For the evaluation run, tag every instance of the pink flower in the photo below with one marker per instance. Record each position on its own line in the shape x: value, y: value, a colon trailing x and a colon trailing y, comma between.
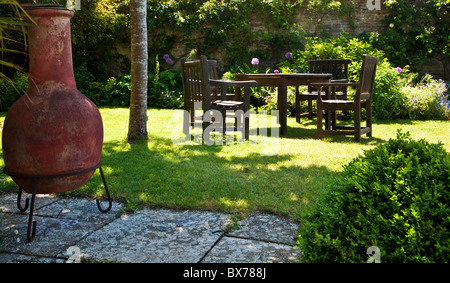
x: 255, y: 61
x: 276, y: 71
x: 288, y: 55
x: 166, y: 56
x: 398, y: 69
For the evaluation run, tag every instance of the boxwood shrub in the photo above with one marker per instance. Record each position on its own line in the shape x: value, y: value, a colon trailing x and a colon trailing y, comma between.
x: 395, y: 197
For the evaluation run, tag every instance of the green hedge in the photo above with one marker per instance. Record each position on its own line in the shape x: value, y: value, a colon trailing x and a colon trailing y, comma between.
x: 395, y: 197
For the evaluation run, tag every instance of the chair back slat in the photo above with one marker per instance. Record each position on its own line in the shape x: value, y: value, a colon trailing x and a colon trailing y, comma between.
x: 212, y: 68
x: 337, y: 67
x: 195, y: 83
x: 367, y: 77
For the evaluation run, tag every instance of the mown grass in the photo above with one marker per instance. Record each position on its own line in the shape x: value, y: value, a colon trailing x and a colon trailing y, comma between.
x: 233, y: 178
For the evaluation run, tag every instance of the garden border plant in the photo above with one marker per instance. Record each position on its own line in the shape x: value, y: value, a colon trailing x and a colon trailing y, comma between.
x: 416, y: 31
x: 394, y: 197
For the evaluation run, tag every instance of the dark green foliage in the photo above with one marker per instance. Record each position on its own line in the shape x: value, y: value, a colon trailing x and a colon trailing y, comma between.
x: 11, y: 91
x: 97, y: 29
x: 164, y: 89
x: 395, y: 197
x: 416, y: 31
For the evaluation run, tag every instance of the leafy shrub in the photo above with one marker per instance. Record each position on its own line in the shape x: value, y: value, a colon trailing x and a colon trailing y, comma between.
x: 388, y: 101
x: 427, y: 99
x: 416, y: 31
x: 394, y: 197
x: 96, y: 30
x: 165, y: 89
x: 12, y: 90
x: 340, y: 47
x: 119, y: 90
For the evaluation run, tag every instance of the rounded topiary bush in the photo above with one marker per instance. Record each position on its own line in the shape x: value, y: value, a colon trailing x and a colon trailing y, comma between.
x: 395, y: 197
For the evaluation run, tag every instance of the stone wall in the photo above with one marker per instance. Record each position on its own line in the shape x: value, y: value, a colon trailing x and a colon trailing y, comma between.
x: 364, y: 20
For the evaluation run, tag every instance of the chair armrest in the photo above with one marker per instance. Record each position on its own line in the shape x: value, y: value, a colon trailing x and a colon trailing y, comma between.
x: 223, y: 83
x: 340, y: 81
x: 332, y: 84
x: 237, y: 85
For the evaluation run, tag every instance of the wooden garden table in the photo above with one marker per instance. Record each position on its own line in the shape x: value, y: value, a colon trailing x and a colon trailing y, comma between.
x: 282, y: 81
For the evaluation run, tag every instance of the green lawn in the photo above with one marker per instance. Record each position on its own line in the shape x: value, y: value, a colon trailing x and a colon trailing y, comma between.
x: 231, y: 178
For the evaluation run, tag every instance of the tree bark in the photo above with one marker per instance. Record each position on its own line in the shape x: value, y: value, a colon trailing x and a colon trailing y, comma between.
x: 137, y: 126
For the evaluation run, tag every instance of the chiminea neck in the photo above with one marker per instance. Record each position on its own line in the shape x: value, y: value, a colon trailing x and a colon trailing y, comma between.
x: 50, y: 47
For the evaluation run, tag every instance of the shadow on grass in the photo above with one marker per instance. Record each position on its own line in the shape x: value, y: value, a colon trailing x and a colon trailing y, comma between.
x: 307, y: 130
x: 159, y: 174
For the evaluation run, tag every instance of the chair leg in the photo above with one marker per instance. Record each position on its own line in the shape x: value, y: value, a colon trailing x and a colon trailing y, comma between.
x: 310, y: 110
x: 186, y: 122
x: 357, y: 125
x: 369, y: 118
x: 297, y: 108
x: 246, y: 126
x: 319, y: 123
x: 333, y: 120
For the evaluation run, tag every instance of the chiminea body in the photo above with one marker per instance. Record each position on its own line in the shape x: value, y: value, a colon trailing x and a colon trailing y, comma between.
x: 52, y: 129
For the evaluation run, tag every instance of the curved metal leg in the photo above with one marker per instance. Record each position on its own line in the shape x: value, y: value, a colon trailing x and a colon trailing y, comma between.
x: 19, y: 204
x: 107, y: 194
x: 31, y: 231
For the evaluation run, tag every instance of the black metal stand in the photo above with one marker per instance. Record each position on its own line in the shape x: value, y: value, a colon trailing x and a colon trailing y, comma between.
x: 31, y: 231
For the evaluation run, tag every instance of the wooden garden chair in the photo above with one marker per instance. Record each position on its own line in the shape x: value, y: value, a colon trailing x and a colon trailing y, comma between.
x: 337, y: 67
x: 362, y: 99
x: 211, y: 94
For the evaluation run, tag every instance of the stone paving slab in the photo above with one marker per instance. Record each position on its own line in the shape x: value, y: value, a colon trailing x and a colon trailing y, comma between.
x: 163, y: 236
x: 149, y: 235
x: 238, y: 250
x: 8, y: 202
x: 60, y: 224
x: 267, y: 227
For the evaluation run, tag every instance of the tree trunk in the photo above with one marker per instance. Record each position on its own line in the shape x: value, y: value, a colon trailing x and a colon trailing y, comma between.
x: 137, y: 127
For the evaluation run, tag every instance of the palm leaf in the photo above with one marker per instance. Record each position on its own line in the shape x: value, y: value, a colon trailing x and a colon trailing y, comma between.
x: 19, y: 22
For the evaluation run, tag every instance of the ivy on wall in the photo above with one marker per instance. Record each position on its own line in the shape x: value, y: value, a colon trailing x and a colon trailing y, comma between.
x: 225, y: 26
x: 416, y: 31
x: 217, y: 24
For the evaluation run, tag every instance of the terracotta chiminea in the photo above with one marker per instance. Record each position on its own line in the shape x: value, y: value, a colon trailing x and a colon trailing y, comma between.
x: 53, y: 135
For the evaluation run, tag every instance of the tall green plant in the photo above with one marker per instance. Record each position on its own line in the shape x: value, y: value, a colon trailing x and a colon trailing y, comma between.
x: 11, y: 22
x: 98, y: 28
x: 416, y: 31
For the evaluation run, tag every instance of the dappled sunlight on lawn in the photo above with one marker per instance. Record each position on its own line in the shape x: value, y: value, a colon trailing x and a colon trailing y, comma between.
x: 281, y: 175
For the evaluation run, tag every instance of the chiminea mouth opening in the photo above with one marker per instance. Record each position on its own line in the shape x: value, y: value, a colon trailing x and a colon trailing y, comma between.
x: 29, y: 6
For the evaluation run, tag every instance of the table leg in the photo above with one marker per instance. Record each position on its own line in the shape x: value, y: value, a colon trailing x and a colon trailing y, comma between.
x: 282, y: 106
x: 327, y: 113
